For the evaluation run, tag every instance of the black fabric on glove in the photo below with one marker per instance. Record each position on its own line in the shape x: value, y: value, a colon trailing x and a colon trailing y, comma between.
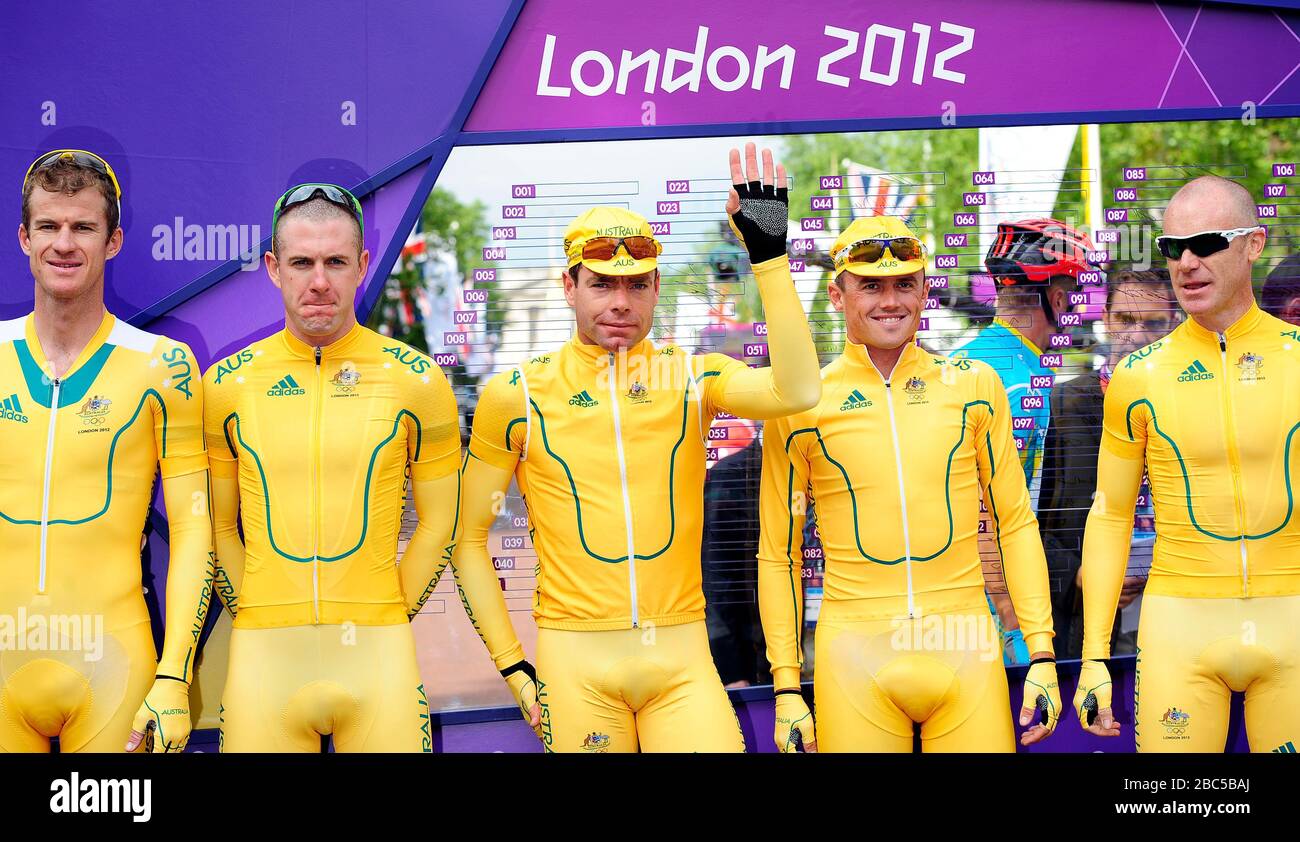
x: 762, y: 219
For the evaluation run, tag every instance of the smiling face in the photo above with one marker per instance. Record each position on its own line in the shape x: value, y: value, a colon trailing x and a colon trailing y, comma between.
x: 612, y: 311
x: 880, y: 312
x: 318, y: 270
x: 67, y: 242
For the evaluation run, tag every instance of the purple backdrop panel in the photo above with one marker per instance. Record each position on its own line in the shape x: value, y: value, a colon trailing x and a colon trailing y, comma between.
x: 209, y: 112
x: 246, y: 306
x: 699, y: 62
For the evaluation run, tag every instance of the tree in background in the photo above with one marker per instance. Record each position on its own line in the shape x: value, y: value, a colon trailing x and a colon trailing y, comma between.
x: 933, y: 157
x: 1177, y: 152
x: 449, y: 226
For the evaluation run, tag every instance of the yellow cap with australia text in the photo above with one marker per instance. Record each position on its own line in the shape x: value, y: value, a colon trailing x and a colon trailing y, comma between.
x: 610, y: 222
x: 875, y: 228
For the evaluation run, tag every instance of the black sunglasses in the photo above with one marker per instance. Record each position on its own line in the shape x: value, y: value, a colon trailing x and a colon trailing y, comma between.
x: 329, y: 192
x: 1202, y: 243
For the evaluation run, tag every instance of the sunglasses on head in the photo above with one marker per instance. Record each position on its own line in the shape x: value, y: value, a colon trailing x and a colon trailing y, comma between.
x: 1202, y: 243
x: 329, y: 192
x: 870, y: 251
x: 604, y: 248
x: 80, y: 157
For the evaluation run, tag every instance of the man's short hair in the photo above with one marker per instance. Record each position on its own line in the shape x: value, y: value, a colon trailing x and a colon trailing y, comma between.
x: 1282, y: 285
x: 1157, y: 280
x: 316, y: 210
x: 68, y: 177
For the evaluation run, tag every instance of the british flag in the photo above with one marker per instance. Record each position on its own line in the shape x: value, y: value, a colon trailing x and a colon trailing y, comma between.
x: 876, y: 193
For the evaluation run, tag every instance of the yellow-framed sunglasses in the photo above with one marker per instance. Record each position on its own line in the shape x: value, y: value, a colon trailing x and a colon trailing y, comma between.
x: 81, y: 157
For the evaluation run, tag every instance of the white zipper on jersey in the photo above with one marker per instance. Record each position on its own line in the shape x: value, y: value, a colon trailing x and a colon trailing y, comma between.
x: 627, y: 500
x: 1234, y: 463
x: 902, y: 500
x: 902, y: 491
x: 315, y: 494
x: 45, y: 495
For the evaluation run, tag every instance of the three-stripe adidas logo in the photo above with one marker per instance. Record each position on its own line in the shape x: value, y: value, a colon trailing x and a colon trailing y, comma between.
x: 582, y: 399
x: 12, y: 410
x: 855, y: 400
x: 1195, y: 371
x: 1285, y: 748
x: 287, y: 386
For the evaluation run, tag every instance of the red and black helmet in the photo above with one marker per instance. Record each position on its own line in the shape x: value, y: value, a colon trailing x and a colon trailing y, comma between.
x: 1033, y: 251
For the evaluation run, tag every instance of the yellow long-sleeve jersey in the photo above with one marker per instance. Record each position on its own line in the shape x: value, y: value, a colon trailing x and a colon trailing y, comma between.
x: 319, y: 440
x: 76, y: 477
x: 609, y: 453
x: 897, y: 468
x: 1216, y: 420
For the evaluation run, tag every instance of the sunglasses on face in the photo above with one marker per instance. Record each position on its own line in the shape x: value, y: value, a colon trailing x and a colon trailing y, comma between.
x: 82, y: 158
x: 870, y: 251
x: 1202, y: 243
x: 329, y: 192
x: 604, y: 248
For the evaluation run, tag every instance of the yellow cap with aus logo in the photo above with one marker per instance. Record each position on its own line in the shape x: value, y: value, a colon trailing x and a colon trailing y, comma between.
x: 605, y: 223
x: 865, y: 248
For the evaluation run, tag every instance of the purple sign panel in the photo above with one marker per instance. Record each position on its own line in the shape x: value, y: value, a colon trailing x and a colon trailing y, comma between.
x: 698, y: 62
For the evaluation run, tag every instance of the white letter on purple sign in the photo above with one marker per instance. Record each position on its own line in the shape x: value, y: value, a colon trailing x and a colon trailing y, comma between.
x: 824, y: 73
x: 696, y: 60
x: 764, y: 60
x: 544, y: 87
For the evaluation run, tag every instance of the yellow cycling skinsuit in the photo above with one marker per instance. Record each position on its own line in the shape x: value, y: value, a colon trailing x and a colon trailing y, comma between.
x: 904, y: 635
x: 609, y: 453
x: 81, y: 451
x: 311, y: 447
x: 1216, y: 419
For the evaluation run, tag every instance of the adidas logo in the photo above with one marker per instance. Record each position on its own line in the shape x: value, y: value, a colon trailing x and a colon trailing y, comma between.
x: 855, y: 400
x: 12, y: 410
x: 286, y: 387
x: 1285, y: 748
x: 582, y: 399
x: 1195, y: 371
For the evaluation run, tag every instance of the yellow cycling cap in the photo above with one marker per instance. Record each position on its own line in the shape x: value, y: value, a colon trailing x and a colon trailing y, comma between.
x: 878, y: 246
x: 612, y: 241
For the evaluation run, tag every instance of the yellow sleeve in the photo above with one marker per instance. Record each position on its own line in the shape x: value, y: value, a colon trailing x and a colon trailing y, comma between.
x: 499, y: 425
x: 1109, y: 532
x: 223, y: 459
x: 433, y: 428
x: 793, y: 381
x: 782, y: 506
x: 437, y: 505
x: 1015, y: 529
x: 485, y: 479
x: 433, y: 448
x: 178, y: 425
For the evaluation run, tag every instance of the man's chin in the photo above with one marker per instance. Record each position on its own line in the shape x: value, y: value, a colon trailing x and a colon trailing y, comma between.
x: 66, y: 288
x: 889, y: 340
x: 616, y: 340
x: 319, y: 327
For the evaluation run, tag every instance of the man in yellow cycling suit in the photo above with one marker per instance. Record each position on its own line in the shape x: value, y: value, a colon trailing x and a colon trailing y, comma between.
x: 606, y: 437
x: 1213, y: 412
x: 896, y: 456
x: 92, y: 409
x: 312, y: 432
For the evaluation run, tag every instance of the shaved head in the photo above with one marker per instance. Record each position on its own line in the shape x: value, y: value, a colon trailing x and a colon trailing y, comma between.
x: 1209, y: 202
x: 1214, y: 289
